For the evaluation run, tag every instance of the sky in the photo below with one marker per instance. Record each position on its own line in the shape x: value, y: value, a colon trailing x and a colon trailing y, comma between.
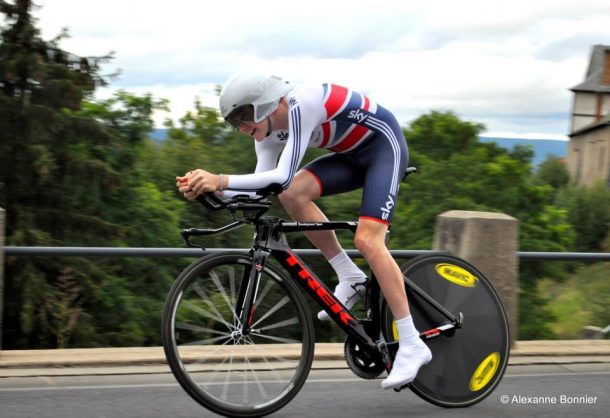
x: 506, y: 64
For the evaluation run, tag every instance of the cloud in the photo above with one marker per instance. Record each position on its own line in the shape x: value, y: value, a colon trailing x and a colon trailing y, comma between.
x: 578, y: 45
x: 508, y: 64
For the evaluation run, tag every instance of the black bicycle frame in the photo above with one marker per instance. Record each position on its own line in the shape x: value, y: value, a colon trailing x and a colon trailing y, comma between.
x: 270, y: 240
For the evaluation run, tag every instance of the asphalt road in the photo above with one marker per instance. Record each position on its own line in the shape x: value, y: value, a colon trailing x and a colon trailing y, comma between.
x: 328, y: 393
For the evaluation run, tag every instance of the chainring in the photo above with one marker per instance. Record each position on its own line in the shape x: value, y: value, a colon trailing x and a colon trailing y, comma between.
x: 362, y: 362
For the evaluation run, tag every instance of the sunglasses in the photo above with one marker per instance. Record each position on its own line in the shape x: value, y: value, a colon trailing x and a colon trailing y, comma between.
x: 241, y: 115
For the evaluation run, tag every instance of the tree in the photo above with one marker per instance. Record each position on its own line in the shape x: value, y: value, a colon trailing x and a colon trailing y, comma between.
x: 41, y: 154
x: 438, y: 135
x: 68, y: 167
x: 43, y: 86
x: 553, y: 172
x: 589, y: 214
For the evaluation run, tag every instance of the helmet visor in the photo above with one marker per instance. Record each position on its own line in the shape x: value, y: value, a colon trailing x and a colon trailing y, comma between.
x: 240, y: 115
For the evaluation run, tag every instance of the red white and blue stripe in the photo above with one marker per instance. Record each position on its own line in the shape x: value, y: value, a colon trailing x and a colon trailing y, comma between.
x: 346, y: 112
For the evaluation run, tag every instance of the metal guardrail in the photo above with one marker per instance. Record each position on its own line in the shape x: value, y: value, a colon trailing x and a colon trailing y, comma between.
x: 532, y: 255
x: 195, y: 252
x: 166, y: 252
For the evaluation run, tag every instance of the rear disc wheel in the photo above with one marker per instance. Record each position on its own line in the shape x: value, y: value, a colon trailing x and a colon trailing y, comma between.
x: 468, y: 364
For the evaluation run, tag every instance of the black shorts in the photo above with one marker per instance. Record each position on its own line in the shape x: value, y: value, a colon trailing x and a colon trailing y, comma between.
x: 377, y: 166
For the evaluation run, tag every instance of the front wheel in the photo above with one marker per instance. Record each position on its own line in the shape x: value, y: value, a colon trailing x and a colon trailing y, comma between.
x: 232, y: 373
x: 467, y: 365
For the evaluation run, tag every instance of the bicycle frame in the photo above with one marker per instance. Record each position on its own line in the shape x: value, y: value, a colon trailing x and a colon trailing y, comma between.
x: 270, y: 240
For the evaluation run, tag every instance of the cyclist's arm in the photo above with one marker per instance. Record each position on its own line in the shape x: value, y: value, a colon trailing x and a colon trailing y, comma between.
x: 303, y: 118
x: 266, y: 159
x: 266, y: 155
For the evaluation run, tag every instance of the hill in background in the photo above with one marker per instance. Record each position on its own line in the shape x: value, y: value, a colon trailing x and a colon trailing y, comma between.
x: 543, y: 148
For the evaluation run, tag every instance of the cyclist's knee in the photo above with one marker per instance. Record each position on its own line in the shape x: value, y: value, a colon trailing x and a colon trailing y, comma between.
x: 291, y: 196
x: 302, y: 190
x: 369, y: 241
x: 361, y: 244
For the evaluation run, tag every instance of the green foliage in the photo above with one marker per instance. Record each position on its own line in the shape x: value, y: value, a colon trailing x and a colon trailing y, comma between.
x: 577, y: 220
x: 472, y: 176
x: 535, y: 317
x: 589, y: 214
x: 69, y: 169
x: 439, y: 135
x: 553, y: 172
x: 579, y: 301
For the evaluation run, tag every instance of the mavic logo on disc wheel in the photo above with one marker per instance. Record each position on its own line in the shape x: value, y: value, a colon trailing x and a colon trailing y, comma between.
x: 456, y: 275
x: 484, y: 372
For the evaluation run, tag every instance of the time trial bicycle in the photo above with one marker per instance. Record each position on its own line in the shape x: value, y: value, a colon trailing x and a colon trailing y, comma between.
x: 239, y: 338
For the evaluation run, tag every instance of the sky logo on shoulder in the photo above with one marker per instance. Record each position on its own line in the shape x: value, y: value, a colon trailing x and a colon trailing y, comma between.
x: 358, y: 115
x: 282, y: 135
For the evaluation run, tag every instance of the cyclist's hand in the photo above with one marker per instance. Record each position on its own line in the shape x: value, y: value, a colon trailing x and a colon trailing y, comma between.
x: 182, y: 183
x: 196, y: 182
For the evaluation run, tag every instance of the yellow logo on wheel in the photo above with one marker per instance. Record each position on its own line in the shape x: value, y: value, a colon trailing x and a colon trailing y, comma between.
x: 394, y: 331
x: 456, y: 275
x: 485, y: 372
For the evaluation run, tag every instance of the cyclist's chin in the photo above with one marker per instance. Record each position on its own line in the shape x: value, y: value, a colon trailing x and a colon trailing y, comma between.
x: 258, y: 135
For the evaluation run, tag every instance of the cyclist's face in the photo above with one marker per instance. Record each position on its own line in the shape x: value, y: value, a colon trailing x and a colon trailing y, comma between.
x: 242, y: 119
x: 255, y: 130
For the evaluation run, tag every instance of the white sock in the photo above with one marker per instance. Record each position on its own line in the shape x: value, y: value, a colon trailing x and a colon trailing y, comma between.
x: 346, y: 269
x: 407, y: 333
x: 412, y: 354
x: 349, y: 274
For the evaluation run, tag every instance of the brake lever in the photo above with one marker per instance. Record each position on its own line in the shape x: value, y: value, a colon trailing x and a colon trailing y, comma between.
x: 186, y: 236
x: 190, y: 232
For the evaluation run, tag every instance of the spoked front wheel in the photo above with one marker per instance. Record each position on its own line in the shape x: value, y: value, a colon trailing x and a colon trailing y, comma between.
x: 224, y: 369
x: 468, y: 364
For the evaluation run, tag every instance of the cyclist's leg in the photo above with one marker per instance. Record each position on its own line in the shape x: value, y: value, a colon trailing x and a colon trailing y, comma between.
x: 370, y: 241
x: 326, y: 175
x: 385, y: 160
x: 298, y: 200
x: 412, y: 352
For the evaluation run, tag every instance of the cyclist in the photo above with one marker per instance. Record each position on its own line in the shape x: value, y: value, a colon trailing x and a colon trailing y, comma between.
x: 369, y: 151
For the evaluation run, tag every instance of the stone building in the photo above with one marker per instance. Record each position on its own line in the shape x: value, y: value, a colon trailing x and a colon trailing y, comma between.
x: 589, y: 151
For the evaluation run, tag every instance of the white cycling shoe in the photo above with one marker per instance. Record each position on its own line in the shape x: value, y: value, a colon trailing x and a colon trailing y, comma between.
x: 408, y: 361
x: 348, y: 293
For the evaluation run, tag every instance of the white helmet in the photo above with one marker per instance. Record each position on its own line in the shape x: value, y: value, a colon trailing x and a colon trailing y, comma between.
x: 262, y: 92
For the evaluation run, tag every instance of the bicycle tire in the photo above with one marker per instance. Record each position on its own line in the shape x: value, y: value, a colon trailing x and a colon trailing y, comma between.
x: 468, y: 365
x: 210, y: 361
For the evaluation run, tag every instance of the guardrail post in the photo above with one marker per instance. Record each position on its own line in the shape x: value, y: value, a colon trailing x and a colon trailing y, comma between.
x: 1, y: 272
x: 490, y: 242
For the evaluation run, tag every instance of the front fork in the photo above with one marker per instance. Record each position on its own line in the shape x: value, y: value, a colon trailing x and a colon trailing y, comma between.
x: 246, y: 298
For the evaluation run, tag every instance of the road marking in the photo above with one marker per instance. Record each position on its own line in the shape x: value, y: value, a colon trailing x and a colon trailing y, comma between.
x: 557, y: 374
x: 97, y: 387
x: 336, y: 380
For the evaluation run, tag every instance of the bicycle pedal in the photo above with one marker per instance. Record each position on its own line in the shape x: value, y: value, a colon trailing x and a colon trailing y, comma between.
x: 401, y: 388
